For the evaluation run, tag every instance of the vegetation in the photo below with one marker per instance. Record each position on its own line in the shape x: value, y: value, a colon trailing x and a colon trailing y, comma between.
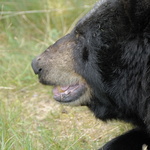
x: 29, y: 118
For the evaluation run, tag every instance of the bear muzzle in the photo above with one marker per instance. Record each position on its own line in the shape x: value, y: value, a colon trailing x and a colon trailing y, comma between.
x: 35, y: 67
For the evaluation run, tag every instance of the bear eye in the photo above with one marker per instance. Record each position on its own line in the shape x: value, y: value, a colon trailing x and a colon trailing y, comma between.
x: 85, y: 54
x: 77, y: 34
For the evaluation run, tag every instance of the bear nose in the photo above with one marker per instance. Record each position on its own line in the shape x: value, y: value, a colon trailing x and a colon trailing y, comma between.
x: 35, y: 67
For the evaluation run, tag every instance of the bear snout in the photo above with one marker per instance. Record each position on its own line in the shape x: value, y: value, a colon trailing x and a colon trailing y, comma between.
x: 35, y: 66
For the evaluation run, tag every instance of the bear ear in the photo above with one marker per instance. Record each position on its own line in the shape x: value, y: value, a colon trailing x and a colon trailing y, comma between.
x: 138, y: 12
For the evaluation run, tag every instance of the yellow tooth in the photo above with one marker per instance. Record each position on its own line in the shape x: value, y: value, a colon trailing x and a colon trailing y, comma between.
x: 60, y: 90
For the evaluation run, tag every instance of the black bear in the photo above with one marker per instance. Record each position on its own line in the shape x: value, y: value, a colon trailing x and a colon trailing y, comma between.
x: 104, y: 64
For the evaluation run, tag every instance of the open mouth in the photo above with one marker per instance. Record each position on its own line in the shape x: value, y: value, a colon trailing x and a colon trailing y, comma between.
x: 67, y: 94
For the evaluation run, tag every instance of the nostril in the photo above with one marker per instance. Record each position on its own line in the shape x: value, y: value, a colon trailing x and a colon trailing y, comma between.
x: 40, y: 70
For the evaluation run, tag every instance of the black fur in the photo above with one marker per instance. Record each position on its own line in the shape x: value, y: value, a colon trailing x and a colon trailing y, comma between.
x: 132, y: 140
x: 117, y: 38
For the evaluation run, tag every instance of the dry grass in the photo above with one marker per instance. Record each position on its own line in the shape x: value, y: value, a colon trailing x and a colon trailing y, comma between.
x: 64, y: 128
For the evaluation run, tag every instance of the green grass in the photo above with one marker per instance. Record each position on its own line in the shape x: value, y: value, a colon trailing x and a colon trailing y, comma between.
x: 29, y: 118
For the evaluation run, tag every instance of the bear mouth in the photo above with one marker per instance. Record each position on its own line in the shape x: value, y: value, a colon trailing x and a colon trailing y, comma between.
x: 70, y: 93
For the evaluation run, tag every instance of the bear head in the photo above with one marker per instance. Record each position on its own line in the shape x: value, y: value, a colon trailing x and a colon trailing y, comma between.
x: 82, y: 63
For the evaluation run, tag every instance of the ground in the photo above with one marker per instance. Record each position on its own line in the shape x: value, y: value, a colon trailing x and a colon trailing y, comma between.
x: 36, y: 119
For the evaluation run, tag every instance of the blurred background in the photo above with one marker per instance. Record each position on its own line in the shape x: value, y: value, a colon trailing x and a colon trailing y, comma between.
x: 29, y: 118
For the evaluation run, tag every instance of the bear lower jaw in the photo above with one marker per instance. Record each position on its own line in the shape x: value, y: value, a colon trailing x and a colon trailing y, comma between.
x: 69, y: 94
